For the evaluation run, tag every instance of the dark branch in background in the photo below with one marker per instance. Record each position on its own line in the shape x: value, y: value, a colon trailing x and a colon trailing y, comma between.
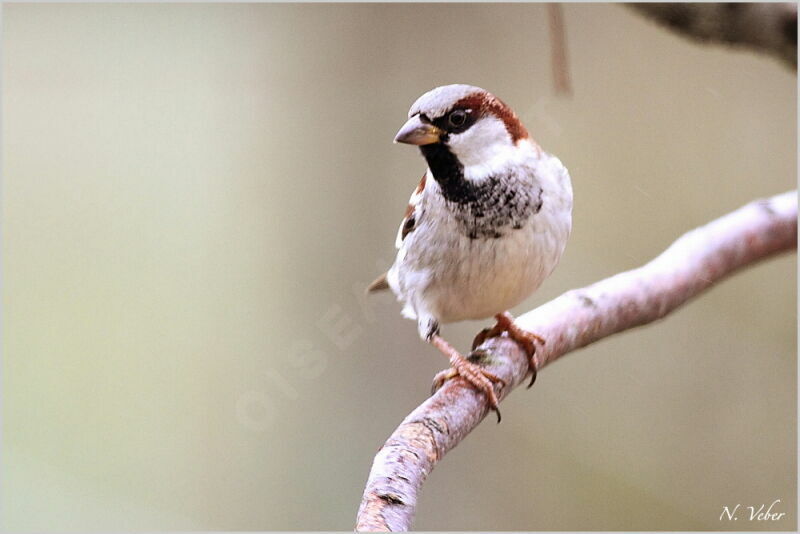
x: 577, y: 318
x: 768, y: 28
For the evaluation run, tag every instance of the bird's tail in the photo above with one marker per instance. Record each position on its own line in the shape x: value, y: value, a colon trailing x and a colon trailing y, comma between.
x: 379, y: 284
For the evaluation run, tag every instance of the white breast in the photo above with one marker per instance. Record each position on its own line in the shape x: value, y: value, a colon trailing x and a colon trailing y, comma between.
x: 441, y: 273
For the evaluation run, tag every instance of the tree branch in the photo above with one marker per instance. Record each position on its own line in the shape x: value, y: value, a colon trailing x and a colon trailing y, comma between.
x: 558, y: 50
x: 770, y: 28
x: 693, y: 263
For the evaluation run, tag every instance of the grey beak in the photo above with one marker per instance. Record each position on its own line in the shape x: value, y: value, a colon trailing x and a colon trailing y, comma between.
x: 416, y: 132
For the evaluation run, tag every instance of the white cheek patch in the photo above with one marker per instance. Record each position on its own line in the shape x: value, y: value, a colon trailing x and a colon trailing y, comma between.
x: 483, y: 148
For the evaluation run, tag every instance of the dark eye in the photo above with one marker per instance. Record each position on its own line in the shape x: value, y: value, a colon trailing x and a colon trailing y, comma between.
x: 457, y: 117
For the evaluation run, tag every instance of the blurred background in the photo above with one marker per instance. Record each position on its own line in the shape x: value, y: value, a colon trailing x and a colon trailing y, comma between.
x: 194, y: 197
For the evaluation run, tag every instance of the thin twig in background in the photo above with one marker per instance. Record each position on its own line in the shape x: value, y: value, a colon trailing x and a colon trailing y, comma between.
x: 558, y: 50
x: 693, y: 263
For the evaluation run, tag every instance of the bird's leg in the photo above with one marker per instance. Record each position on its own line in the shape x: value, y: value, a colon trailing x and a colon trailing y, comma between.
x: 476, y: 375
x: 505, y: 323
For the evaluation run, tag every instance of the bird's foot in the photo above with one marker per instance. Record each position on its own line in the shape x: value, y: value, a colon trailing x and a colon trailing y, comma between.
x: 480, y: 378
x: 526, y: 339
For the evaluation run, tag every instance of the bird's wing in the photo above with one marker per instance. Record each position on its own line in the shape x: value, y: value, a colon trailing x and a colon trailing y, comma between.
x: 409, y: 223
x: 412, y: 215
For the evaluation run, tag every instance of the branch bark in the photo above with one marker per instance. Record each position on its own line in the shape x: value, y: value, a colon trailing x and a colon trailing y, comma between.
x: 769, y: 28
x: 693, y: 263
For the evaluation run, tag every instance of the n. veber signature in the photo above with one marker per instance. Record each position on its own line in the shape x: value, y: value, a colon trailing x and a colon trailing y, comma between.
x: 752, y: 513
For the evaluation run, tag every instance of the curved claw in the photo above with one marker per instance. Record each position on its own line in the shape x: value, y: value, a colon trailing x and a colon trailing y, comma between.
x: 482, y: 336
x: 487, y: 333
x: 533, y: 377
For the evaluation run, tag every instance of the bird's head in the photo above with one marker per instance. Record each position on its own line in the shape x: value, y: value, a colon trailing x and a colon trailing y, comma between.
x: 470, y: 123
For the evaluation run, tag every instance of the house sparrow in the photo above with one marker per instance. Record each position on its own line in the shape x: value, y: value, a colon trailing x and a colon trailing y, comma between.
x: 486, y: 225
